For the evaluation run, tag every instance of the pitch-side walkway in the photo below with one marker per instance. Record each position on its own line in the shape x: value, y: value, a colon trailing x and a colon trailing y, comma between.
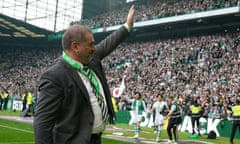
x: 116, y: 134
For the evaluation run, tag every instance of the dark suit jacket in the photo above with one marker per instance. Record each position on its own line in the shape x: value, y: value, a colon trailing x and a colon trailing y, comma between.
x: 64, y: 114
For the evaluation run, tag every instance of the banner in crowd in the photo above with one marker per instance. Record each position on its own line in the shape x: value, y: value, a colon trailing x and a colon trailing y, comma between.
x: 221, y: 127
x: 17, y: 105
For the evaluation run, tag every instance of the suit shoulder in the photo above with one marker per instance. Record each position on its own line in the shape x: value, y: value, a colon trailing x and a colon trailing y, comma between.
x: 56, y: 70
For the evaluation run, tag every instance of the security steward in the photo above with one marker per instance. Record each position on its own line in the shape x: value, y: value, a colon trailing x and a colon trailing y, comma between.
x: 235, y: 119
x: 196, y: 111
x: 175, y: 118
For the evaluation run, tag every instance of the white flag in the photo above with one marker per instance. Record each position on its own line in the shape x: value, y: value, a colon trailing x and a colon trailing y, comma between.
x: 117, y: 92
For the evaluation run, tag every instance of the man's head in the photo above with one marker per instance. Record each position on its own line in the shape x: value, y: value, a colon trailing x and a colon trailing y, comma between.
x: 159, y: 97
x: 170, y: 99
x: 78, y: 43
x: 138, y: 95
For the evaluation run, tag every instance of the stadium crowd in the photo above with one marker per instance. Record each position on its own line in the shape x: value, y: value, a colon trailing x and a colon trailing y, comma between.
x: 154, y: 9
x: 204, y: 67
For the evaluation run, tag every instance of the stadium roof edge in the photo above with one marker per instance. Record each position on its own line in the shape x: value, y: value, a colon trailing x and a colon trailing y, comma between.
x: 13, y: 28
x: 16, y: 33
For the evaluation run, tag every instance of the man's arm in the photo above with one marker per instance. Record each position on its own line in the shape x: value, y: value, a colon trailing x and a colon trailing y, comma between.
x: 130, y: 18
x: 169, y: 114
x: 144, y: 106
x: 153, y: 109
x: 173, y: 107
x: 106, y: 46
x: 47, y: 110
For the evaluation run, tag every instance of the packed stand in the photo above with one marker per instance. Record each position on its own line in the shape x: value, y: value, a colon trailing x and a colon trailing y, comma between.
x: 154, y: 9
x: 205, y: 68
x: 20, y: 69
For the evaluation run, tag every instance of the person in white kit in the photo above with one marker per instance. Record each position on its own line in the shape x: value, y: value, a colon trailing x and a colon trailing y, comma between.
x: 138, y: 107
x: 159, y: 107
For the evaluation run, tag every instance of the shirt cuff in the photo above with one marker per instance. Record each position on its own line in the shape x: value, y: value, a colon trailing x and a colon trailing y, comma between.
x: 127, y: 27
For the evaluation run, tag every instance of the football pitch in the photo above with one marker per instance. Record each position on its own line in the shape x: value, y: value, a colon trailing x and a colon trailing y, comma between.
x: 18, y: 132
x: 12, y: 132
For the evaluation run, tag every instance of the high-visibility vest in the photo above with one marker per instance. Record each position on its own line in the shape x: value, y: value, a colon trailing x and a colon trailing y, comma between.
x: 24, y: 97
x: 29, y: 99
x: 1, y: 95
x: 4, y: 95
x: 115, y: 108
x: 196, y: 111
x: 236, y: 112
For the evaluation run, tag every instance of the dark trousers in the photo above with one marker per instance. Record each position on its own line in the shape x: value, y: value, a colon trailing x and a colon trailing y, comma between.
x: 5, y: 103
x: 172, y: 125
x: 195, y: 120
x: 24, y: 106
x: 95, y: 138
x: 235, y: 125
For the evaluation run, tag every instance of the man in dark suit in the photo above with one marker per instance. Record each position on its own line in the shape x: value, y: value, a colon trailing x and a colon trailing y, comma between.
x: 74, y: 100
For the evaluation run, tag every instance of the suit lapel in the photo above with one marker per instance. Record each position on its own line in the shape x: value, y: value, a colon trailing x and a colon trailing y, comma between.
x: 76, y: 78
x: 97, y: 72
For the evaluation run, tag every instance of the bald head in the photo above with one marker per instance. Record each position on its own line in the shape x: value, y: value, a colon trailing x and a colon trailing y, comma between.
x: 76, y: 33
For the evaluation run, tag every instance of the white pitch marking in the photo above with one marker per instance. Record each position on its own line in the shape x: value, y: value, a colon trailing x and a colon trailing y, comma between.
x: 27, y: 131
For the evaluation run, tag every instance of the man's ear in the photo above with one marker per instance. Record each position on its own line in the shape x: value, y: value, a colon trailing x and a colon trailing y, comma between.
x: 74, y: 46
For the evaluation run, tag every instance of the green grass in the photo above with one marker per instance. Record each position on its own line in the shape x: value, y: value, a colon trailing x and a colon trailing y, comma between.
x: 111, y: 141
x: 9, y: 113
x: 12, y: 132
x: 149, y: 133
x: 22, y: 133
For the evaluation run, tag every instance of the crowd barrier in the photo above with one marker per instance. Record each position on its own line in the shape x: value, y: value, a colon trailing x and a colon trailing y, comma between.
x: 221, y: 127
